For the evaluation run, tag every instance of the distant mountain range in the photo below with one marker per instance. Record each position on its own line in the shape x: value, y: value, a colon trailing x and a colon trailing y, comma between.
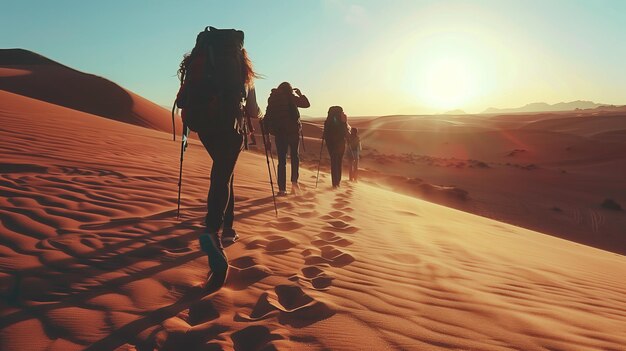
x: 544, y: 107
x: 455, y: 112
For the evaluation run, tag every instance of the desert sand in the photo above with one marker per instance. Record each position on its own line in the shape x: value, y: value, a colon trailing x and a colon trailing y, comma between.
x: 93, y: 256
x: 550, y: 172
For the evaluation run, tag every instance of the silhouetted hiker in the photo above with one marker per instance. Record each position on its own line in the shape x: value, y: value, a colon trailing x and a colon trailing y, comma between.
x: 336, y: 130
x: 354, y: 152
x: 216, y: 95
x: 282, y: 119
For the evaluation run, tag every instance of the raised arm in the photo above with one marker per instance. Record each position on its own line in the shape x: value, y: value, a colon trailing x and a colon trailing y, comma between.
x: 300, y: 99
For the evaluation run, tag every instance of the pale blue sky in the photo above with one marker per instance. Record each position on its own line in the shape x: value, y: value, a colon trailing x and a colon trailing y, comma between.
x: 371, y: 57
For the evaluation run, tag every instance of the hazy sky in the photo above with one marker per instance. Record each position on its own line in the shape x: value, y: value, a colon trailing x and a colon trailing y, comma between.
x: 371, y: 57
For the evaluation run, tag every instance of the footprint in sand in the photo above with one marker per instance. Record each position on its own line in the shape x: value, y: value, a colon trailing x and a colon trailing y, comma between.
x: 341, y: 201
x: 255, y: 337
x: 342, y: 205
x: 337, y: 215
x: 328, y: 255
x: 343, y: 196
x: 315, y: 278
x: 286, y: 224
x: 175, y: 246
x: 277, y: 243
x: 272, y: 243
x: 312, y: 271
x: 290, y: 304
x: 202, y: 311
x: 340, y: 226
x: 330, y: 238
x: 245, y: 271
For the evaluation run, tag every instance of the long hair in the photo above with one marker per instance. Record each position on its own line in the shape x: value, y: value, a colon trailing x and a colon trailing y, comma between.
x: 182, y: 68
x: 248, y: 71
x: 246, y: 66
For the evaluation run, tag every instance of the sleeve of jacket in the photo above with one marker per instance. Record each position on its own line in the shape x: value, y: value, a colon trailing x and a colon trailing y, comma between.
x: 302, y: 101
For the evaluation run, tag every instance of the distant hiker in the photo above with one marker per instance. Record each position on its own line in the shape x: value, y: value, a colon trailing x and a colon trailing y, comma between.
x: 336, y: 131
x: 282, y: 119
x: 354, y: 152
x: 216, y: 95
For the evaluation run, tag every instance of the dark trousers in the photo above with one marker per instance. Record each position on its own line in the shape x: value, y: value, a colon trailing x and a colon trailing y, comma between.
x: 353, y: 157
x: 284, y: 143
x: 336, y: 150
x: 224, y: 149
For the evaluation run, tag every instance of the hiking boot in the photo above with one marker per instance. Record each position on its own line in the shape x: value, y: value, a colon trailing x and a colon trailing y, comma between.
x: 282, y: 193
x: 211, y: 245
x: 229, y: 236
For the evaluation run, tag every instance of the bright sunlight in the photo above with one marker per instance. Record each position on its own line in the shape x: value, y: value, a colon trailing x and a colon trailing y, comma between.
x: 446, y: 83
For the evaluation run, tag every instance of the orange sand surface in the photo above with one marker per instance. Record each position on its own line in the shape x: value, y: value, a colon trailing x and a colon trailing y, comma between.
x: 92, y: 256
x: 549, y: 172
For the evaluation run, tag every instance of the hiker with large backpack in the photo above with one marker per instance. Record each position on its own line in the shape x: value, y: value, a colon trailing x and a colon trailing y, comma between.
x: 282, y: 119
x: 336, y: 131
x: 354, y: 153
x: 216, y: 95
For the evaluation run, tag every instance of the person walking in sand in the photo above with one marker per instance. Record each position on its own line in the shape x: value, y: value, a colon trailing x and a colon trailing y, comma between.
x: 336, y: 130
x: 354, y: 153
x: 221, y: 126
x: 283, y: 115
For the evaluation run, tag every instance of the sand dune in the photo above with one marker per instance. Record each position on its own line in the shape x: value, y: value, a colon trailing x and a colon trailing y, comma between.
x: 582, y: 125
x: 548, y: 172
x: 31, y: 75
x: 93, y: 257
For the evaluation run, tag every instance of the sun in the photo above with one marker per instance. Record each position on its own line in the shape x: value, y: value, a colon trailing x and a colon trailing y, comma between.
x: 445, y: 69
x: 446, y: 83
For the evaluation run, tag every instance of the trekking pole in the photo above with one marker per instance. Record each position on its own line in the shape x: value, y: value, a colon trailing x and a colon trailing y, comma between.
x: 269, y: 171
x: 302, y: 138
x: 183, y: 147
x: 319, y: 163
x: 272, y: 156
x: 173, y: 122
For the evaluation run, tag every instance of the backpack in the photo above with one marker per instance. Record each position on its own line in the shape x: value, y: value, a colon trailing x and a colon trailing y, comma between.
x: 335, y: 130
x: 213, y: 92
x: 281, y: 116
x: 354, y: 141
